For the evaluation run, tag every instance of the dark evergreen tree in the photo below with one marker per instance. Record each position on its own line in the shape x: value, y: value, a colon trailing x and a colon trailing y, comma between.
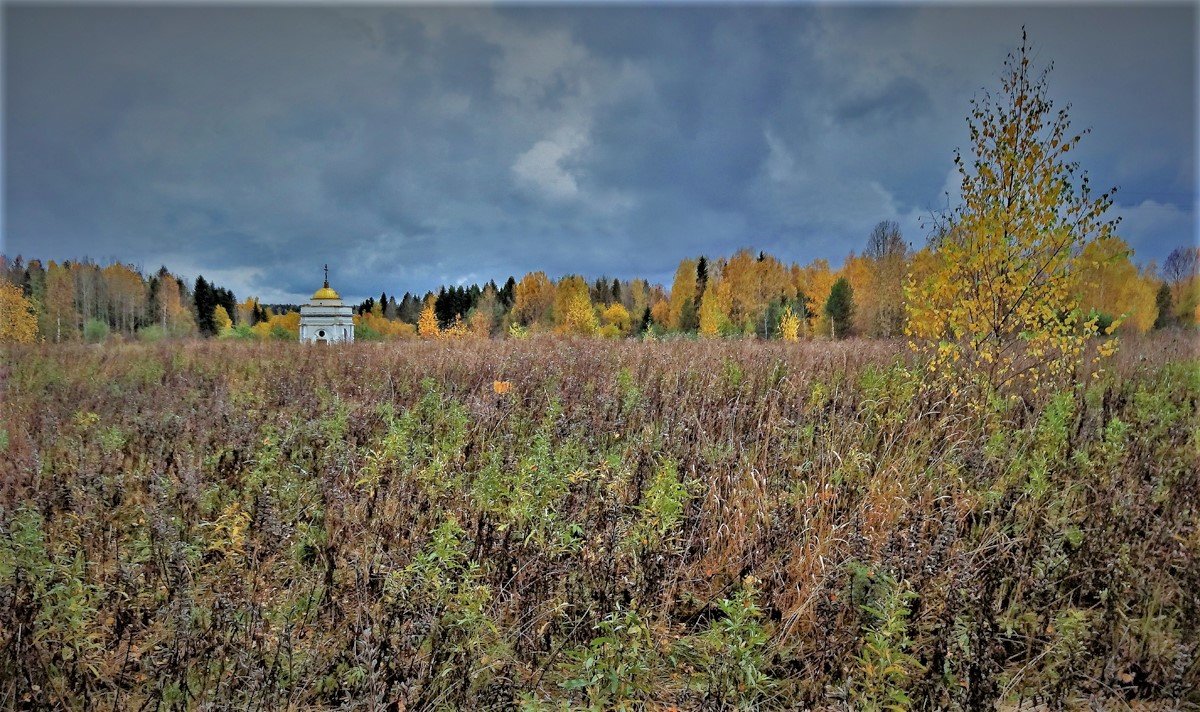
x: 15, y: 273
x: 839, y: 308
x: 647, y: 321
x: 599, y: 292
x: 444, y: 309
x: 205, y: 302
x: 701, y: 278
x: 225, y: 298
x: 1166, y: 307
x: 689, y: 317
x: 802, y: 305
x: 507, y: 291
x: 152, y: 303
x: 410, y: 309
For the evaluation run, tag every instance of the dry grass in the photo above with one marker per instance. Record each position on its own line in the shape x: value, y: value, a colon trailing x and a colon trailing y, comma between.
x: 687, y: 524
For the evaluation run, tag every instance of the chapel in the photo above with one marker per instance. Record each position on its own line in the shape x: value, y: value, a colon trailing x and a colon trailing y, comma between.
x: 325, y: 319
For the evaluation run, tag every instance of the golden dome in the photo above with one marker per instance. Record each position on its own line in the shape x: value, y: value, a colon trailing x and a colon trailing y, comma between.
x: 326, y: 293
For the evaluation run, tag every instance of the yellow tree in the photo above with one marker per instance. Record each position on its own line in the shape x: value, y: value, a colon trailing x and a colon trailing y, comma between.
x: 740, y: 276
x: 774, y: 284
x: 816, y: 280
x: 789, y: 325
x: 682, y: 302
x: 637, y: 298
x: 457, y: 328
x: 427, y: 323
x: 573, y: 313
x: 1109, y: 284
x: 533, y: 297
x: 753, y: 284
x: 860, y: 273
x: 60, y: 320
x: 126, y: 291
x: 660, y: 312
x: 221, y: 319
x: 480, y: 324
x: 176, y: 318
x: 378, y: 326
x: 882, y: 301
x: 18, y: 319
x: 287, y: 322
x: 282, y: 327
x: 245, y: 311
x: 482, y: 318
x: 1000, y: 308
x: 616, y: 320
x: 714, y: 306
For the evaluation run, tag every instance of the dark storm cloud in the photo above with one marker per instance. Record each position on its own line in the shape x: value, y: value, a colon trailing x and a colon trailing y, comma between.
x: 412, y: 146
x: 903, y: 98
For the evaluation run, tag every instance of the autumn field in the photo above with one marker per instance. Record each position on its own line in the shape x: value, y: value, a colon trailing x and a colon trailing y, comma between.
x: 551, y: 523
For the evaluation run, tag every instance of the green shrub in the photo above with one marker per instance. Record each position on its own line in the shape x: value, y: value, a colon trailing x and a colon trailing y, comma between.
x: 95, y: 331
x: 151, y: 333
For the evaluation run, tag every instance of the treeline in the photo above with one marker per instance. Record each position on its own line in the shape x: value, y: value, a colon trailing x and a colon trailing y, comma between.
x: 82, y: 300
x: 745, y: 295
x: 756, y: 295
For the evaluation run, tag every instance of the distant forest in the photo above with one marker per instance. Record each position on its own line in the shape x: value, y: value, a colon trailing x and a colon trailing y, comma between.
x: 747, y: 294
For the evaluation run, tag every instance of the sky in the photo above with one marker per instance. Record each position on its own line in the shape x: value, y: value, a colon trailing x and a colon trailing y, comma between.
x: 414, y: 146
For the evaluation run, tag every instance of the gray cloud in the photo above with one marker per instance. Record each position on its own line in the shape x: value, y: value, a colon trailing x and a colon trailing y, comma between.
x: 412, y: 146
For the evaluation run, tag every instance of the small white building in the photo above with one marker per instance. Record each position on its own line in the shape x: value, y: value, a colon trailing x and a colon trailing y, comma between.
x: 325, y: 319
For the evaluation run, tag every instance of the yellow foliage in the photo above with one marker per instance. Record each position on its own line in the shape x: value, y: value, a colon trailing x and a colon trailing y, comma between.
x: 386, y: 328
x: 789, y: 325
x: 60, y: 321
x: 221, y: 319
x: 175, y: 318
x: 714, y: 306
x: 245, y: 310
x: 229, y: 531
x: 1187, y: 300
x: 683, y: 297
x: 501, y: 387
x: 660, y: 312
x: 638, y: 297
x: 457, y: 328
x: 1109, y: 283
x: 616, y: 316
x: 573, y: 313
x: 815, y: 280
x: 532, y: 298
x: 288, y: 322
x: 860, y: 273
x: 126, y: 294
x: 750, y: 286
x: 998, y: 308
x: 427, y: 323
x: 480, y: 324
x: 18, y: 319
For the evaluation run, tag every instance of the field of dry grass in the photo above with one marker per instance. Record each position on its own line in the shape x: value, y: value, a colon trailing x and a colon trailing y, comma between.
x: 690, y: 525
